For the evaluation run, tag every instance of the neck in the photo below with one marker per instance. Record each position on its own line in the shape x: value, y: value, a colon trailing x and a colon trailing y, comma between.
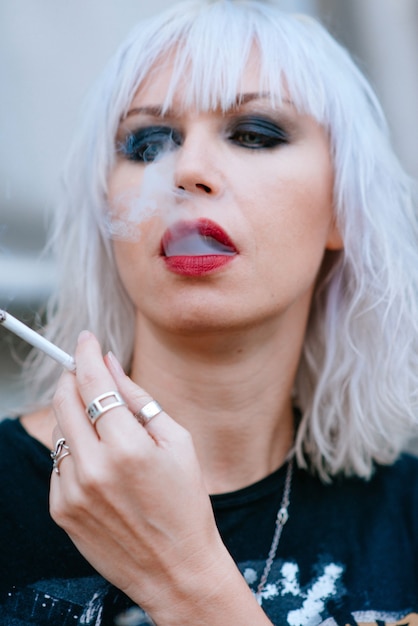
x: 230, y: 390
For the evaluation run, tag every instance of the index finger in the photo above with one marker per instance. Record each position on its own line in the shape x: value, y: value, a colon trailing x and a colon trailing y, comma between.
x: 70, y: 416
x: 98, y: 389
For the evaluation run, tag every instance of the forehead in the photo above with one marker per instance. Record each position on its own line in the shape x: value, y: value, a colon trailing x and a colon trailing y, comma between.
x: 205, y: 56
x: 177, y: 85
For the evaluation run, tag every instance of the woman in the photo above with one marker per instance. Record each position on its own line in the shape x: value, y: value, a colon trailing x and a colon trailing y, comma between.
x: 239, y: 237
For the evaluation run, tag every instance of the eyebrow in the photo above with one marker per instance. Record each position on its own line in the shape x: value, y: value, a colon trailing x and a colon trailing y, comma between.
x: 241, y: 99
x: 155, y: 111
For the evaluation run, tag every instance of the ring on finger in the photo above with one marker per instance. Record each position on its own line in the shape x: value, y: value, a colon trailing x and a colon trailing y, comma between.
x: 61, y: 451
x: 96, y: 408
x: 150, y: 410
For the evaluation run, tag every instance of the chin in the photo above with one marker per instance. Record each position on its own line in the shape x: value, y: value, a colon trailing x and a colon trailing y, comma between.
x: 203, y: 321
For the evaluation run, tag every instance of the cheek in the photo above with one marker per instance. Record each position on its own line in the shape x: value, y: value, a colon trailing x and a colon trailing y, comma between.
x: 129, y: 230
x: 127, y: 266
x: 120, y: 190
x: 303, y: 195
x: 126, y: 177
x: 138, y: 258
x: 294, y: 226
x: 123, y: 198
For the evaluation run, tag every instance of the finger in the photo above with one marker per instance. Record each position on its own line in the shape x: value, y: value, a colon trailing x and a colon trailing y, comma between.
x: 99, y: 392
x: 60, y: 450
x: 136, y: 397
x: 160, y: 425
x: 72, y: 422
x: 56, y: 434
x: 62, y: 481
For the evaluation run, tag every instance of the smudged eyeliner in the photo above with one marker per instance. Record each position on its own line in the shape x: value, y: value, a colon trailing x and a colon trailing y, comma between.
x: 252, y: 132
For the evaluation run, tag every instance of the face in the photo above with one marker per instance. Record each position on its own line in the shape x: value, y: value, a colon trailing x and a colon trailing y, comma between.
x: 258, y: 187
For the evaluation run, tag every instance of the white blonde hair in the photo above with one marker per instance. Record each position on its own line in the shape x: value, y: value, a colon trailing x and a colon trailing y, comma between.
x: 358, y: 377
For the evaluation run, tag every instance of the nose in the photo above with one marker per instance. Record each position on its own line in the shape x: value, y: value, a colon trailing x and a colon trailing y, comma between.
x: 196, y: 169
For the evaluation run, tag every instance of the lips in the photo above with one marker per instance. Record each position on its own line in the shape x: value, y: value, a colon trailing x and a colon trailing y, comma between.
x: 196, y: 248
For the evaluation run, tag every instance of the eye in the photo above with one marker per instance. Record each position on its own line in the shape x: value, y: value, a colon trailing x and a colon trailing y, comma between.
x: 256, y: 133
x: 146, y: 144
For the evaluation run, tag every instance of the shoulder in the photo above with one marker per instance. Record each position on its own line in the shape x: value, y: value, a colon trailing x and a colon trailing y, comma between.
x: 26, y: 437
x: 392, y: 490
x: 20, y: 449
x: 25, y: 469
x: 40, y: 425
x: 11, y: 433
x: 392, y: 483
x: 396, y: 488
x: 403, y: 473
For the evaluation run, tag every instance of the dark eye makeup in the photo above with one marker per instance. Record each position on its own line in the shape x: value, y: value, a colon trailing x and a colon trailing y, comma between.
x: 254, y: 132
x: 148, y: 143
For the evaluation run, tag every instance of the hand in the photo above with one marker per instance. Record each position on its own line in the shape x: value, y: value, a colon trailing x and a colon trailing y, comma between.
x: 132, y: 498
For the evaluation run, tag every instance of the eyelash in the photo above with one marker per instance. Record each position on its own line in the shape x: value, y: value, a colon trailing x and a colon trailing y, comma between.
x: 250, y: 132
x: 267, y: 134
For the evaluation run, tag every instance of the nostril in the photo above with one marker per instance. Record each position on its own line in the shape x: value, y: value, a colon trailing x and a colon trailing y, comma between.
x: 201, y: 186
x: 204, y: 187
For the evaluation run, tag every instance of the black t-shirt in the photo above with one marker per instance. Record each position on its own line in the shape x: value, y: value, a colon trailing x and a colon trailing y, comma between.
x: 348, y: 554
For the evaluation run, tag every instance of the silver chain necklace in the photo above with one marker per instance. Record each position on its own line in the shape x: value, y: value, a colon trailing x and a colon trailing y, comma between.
x: 281, y: 519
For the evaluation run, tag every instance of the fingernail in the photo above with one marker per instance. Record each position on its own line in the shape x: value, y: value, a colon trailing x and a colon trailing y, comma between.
x: 116, y: 366
x: 84, y: 336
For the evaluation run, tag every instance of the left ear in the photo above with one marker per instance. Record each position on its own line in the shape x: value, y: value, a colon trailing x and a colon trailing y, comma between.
x: 334, y: 240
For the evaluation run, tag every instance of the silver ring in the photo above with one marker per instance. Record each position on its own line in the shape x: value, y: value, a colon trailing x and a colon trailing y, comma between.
x: 150, y: 410
x: 96, y: 408
x: 61, y: 451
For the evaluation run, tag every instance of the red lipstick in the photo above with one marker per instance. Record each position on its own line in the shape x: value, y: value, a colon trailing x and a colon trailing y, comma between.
x: 196, y: 248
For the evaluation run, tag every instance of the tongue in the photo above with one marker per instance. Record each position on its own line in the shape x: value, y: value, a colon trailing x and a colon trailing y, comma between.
x: 195, y: 244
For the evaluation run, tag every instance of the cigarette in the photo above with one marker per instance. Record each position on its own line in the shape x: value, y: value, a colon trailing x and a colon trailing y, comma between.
x: 36, y: 340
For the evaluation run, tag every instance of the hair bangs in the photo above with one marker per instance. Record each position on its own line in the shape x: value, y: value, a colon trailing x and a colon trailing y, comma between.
x: 209, y: 50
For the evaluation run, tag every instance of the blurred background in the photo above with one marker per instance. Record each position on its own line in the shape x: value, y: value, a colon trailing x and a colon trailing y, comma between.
x: 51, y: 51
